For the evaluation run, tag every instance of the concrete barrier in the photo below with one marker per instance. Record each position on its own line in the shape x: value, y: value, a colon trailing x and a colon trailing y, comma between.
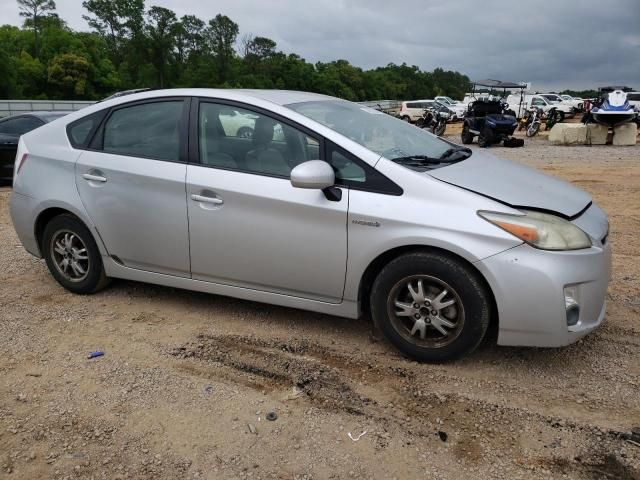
x: 626, y: 134
x: 597, y: 134
x: 578, y: 134
x: 568, y: 134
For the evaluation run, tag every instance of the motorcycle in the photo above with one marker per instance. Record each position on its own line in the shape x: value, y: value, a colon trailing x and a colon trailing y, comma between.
x: 553, y: 116
x: 531, y: 121
x: 434, y: 119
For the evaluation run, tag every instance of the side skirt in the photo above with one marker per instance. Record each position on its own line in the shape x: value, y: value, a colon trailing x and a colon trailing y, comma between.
x: 347, y: 309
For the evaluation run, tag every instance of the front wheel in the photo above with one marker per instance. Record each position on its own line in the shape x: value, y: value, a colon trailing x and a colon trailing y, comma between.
x: 440, y: 128
x: 430, y: 306
x: 532, y: 129
x: 72, y: 255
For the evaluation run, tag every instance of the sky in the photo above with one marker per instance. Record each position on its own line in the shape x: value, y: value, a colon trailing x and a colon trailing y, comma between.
x: 554, y: 44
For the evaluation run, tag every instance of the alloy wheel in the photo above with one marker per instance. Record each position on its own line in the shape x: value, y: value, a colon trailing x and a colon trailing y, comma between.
x: 426, y: 311
x: 70, y: 255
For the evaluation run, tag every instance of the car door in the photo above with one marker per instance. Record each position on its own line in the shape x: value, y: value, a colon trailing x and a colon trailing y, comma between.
x: 10, y: 131
x: 249, y: 227
x: 131, y: 181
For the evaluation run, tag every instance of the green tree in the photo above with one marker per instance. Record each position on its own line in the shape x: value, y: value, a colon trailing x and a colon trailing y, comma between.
x: 32, y: 76
x: 33, y: 11
x: 8, y: 75
x: 68, y: 73
x: 162, y: 29
x: 221, y: 35
x: 116, y: 20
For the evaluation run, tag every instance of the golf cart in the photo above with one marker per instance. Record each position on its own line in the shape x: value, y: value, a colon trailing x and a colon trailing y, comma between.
x: 489, y: 117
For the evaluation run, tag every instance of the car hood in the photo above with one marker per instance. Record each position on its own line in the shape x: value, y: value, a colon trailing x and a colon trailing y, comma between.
x: 514, y: 184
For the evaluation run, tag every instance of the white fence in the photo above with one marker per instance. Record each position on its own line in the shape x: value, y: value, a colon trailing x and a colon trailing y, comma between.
x: 14, y: 107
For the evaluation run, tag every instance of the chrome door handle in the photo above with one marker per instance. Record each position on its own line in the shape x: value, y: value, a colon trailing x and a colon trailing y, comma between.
x: 94, y: 178
x: 203, y: 199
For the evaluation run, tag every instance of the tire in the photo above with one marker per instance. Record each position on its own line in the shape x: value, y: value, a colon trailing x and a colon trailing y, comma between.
x: 532, y: 129
x: 466, y: 136
x: 440, y: 128
x: 466, y: 309
x: 245, y: 132
x: 65, y: 233
x: 405, y: 119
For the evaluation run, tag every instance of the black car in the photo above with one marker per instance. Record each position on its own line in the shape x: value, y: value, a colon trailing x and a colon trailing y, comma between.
x: 10, y: 130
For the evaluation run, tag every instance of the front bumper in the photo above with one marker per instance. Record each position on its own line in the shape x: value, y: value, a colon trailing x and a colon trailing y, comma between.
x: 528, y: 285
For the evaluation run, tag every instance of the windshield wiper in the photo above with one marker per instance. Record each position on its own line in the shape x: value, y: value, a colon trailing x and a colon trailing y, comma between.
x: 421, y: 159
x: 456, y: 153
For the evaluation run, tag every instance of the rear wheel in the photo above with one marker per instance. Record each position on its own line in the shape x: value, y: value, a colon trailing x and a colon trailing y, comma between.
x: 406, y: 119
x: 466, y: 136
x: 430, y: 306
x: 72, y: 255
x: 440, y: 128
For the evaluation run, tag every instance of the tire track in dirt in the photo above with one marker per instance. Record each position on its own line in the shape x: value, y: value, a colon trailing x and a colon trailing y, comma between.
x: 406, y: 399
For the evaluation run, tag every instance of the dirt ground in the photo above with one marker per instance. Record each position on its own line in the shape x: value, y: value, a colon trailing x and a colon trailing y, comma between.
x: 188, y: 379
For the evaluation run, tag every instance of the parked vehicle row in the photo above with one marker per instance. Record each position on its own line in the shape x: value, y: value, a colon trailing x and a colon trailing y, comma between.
x: 347, y: 211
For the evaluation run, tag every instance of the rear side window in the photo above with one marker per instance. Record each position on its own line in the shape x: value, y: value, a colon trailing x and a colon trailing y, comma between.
x: 413, y: 105
x: 20, y: 125
x: 81, y: 131
x: 149, y: 130
x: 634, y: 97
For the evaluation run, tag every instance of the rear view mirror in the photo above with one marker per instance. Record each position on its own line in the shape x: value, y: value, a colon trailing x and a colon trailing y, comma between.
x: 314, y: 174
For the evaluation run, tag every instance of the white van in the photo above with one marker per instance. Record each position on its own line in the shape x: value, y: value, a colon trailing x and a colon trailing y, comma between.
x: 413, y: 110
x: 539, y: 101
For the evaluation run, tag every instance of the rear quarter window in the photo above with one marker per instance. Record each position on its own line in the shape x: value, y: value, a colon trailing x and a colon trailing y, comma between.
x: 81, y: 131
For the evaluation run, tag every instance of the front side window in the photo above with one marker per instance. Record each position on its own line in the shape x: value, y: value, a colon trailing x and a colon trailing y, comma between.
x: 538, y: 102
x: 149, y: 130
x: 20, y: 125
x: 240, y: 139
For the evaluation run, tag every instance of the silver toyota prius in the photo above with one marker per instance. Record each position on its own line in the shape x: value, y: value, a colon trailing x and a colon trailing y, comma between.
x: 313, y: 202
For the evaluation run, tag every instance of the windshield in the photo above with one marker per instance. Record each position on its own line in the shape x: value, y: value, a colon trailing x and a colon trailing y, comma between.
x: 377, y: 131
x: 567, y: 97
x: 552, y: 98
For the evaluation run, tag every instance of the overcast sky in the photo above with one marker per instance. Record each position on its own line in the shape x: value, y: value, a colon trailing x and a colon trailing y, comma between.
x: 554, y: 44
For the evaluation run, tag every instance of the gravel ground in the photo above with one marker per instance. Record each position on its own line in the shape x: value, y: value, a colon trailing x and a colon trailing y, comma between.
x: 188, y: 379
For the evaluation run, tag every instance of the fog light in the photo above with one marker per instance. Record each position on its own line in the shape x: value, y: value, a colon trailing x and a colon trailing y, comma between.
x: 572, y: 306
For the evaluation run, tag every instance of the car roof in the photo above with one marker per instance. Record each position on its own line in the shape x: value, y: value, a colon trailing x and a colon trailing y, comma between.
x: 279, y: 97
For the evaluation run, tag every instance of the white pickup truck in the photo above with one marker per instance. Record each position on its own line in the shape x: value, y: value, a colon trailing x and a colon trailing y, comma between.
x: 540, y: 101
x: 458, y: 108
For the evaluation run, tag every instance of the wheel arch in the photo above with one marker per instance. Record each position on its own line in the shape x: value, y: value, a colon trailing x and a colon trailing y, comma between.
x: 377, y: 264
x: 46, y: 215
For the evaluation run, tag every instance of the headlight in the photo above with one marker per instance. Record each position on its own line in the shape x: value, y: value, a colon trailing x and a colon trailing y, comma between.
x: 540, y: 230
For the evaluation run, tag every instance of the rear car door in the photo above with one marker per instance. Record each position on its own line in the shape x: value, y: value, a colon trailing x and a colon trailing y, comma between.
x: 131, y: 180
x: 249, y: 227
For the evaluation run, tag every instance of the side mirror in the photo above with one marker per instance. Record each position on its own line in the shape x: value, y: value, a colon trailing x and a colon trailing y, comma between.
x: 314, y: 174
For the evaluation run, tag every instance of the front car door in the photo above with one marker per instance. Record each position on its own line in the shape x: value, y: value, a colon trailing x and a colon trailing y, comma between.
x: 131, y: 180
x: 249, y: 227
